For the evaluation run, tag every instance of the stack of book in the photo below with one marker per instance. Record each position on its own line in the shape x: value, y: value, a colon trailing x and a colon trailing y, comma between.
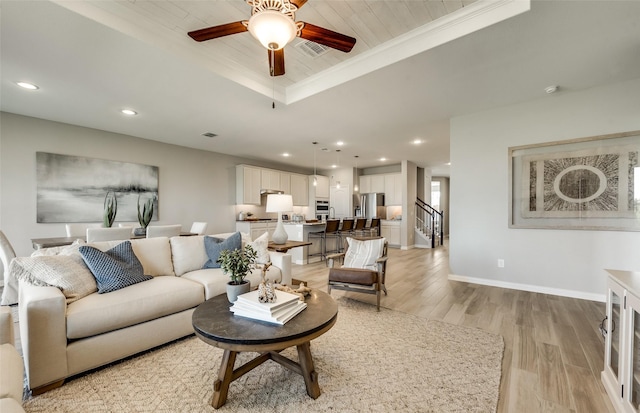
x: 284, y: 309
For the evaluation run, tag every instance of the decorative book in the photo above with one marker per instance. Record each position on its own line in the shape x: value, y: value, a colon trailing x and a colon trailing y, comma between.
x: 284, y: 309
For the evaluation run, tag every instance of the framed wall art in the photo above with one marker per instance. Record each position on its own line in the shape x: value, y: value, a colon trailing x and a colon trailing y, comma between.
x: 73, y: 188
x: 589, y: 183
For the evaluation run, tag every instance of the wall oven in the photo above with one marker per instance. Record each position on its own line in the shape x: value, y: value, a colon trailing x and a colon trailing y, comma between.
x: 322, y: 207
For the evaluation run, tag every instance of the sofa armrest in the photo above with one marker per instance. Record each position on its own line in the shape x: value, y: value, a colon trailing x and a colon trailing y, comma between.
x: 282, y: 261
x: 6, y: 326
x: 43, y: 334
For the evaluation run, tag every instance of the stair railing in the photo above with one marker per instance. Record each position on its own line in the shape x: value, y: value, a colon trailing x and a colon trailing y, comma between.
x: 430, y: 221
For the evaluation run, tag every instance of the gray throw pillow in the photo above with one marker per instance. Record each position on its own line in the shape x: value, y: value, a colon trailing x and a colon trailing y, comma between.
x: 114, y: 269
x: 214, y: 246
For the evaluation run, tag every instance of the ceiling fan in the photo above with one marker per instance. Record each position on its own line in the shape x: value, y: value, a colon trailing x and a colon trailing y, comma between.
x: 273, y: 23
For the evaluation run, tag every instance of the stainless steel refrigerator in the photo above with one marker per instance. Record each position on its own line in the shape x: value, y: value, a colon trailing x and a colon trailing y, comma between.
x: 372, y: 205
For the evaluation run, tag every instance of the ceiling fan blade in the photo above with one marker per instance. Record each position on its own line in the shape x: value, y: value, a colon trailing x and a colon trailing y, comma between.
x: 276, y: 62
x: 217, y: 31
x: 327, y: 37
x: 298, y: 3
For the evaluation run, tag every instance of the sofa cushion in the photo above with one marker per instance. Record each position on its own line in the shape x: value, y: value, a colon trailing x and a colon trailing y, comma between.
x: 158, y: 297
x: 66, y: 272
x: 114, y: 269
x: 11, y: 373
x: 214, y: 246
x: 10, y: 406
x: 188, y: 253
x: 154, y: 255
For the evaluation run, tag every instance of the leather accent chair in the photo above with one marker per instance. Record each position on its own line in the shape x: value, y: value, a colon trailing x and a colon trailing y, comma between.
x: 363, y: 280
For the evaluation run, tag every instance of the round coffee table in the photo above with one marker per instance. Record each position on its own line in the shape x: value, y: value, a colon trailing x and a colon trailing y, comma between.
x: 215, y: 324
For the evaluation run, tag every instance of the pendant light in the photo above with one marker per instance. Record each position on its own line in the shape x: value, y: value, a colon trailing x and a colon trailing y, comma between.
x: 355, y: 186
x: 338, y: 165
x: 315, y: 177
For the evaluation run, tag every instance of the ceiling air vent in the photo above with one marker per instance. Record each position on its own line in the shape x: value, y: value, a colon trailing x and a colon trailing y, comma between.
x: 209, y: 134
x: 312, y: 49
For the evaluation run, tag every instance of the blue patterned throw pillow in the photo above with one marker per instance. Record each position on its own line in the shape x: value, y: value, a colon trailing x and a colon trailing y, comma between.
x: 214, y: 246
x: 114, y: 269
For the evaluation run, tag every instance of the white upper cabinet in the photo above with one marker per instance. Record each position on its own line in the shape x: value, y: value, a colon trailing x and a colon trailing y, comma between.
x: 377, y: 183
x: 389, y: 184
x: 365, y: 184
x: 299, y: 190
x: 322, y: 189
x: 248, y: 181
x: 270, y: 179
x: 393, y: 189
x: 285, y: 183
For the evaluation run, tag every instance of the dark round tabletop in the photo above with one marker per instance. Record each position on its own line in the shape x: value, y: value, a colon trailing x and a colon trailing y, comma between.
x: 214, y: 323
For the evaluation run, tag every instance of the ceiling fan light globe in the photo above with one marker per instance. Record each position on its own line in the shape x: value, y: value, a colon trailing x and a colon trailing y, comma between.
x: 272, y: 29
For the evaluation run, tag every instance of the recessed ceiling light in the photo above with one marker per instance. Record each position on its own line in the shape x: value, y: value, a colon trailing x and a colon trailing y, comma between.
x: 339, y: 143
x: 417, y: 141
x: 551, y: 89
x: 129, y: 112
x: 448, y: 163
x: 286, y: 154
x: 27, y: 85
x: 383, y: 159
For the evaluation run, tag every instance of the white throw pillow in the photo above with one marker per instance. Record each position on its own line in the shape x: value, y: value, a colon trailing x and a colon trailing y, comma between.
x: 363, y: 254
x: 188, y: 253
x: 260, y: 245
x: 154, y: 255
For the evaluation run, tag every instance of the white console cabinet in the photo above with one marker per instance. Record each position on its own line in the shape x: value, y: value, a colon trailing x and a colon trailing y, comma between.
x: 621, y: 374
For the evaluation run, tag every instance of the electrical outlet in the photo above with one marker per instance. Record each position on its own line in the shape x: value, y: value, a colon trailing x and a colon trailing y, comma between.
x: 500, y: 263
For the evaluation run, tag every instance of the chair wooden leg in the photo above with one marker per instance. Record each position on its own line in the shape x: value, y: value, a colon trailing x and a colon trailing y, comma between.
x: 378, y: 300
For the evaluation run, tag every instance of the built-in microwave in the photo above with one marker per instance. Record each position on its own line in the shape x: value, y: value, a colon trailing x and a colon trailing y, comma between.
x: 322, y: 207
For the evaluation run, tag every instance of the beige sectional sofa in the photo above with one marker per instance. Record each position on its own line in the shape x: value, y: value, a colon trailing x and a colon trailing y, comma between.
x: 12, y: 371
x: 62, y: 337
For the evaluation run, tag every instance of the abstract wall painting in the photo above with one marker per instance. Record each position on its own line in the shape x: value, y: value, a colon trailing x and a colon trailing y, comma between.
x: 589, y: 183
x: 73, y: 188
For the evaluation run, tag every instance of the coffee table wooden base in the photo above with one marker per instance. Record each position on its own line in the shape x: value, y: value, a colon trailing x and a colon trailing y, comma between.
x: 228, y: 373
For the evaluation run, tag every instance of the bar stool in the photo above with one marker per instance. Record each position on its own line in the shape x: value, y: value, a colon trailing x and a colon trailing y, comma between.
x: 374, y: 228
x: 330, y: 231
x: 358, y: 227
x: 345, y: 231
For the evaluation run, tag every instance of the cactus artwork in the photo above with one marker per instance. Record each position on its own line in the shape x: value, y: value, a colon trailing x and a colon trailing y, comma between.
x: 145, y: 215
x: 110, y: 209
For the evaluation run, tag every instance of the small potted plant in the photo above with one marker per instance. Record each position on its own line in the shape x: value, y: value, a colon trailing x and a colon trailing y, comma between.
x: 144, y: 215
x: 237, y: 264
x: 110, y: 209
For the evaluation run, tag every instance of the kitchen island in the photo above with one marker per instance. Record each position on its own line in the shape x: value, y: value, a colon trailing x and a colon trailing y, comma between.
x: 300, y: 232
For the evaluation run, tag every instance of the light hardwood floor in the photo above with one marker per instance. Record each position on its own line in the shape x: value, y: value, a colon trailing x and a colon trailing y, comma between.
x: 553, y: 349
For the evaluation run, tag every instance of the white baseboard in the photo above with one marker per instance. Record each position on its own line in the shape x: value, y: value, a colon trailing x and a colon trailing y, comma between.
x: 532, y: 288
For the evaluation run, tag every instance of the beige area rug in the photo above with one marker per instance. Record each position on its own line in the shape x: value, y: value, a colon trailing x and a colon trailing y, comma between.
x: 368, y: 362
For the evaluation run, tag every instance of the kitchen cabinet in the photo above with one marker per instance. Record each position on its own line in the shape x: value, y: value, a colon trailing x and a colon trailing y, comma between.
x: 391, y: 231
x: 377, y: 183
x: 621, y: 374
x: 300, y: 190
x: 248, y: 182
x: 270, y: 179
x: 256, y: 228
x: 365, y: 184
x: 322, y: 190
x: 393, y: 189
x: 285, y: 183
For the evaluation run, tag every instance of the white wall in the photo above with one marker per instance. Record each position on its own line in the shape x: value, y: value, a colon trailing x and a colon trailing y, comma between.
x: 194, y: 185
x: 564, y: 262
